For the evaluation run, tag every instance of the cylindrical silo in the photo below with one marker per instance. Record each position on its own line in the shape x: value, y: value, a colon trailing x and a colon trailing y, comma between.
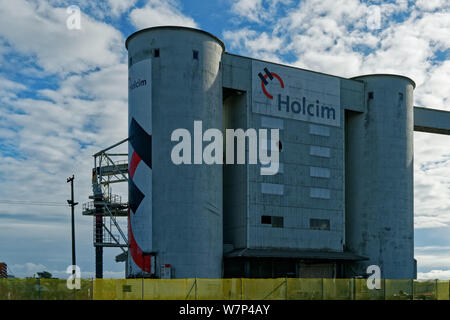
x: 175, y: 210
x: 379, y: 178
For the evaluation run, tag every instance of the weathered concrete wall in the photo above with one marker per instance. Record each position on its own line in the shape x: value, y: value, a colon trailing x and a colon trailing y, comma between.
x: 379, y: 165
x: 300, y: 172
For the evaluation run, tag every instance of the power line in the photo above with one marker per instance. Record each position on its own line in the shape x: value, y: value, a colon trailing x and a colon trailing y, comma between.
x: 32, y: 203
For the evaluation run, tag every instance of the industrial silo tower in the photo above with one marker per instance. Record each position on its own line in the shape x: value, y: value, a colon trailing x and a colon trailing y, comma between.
x: 380, y: 173
x: 175, y: 217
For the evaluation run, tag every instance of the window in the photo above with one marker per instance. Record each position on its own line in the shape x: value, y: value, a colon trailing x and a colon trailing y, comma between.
x: 319, y: 224
x: 156, y: 53
x: 276, y: 222
x: 195, y: 55
x: 266, y: 220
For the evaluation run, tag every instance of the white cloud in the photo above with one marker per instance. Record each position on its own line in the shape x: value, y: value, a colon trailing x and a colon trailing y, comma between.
x: 50, y: 134
x: 160, y: 13
x: 251, y: 9
x: 332, y: 36
x: 28, y: 269
x: 432, y: 258
x: 434, y: 274
x: 39, y: 30
x: 86, y: 110
x: 259, y: 45
x: 257, y: 10
x: 431, y: 5
x: 9, y: 89
x: 431, y: 180
x: 434, y: 92
x: 120, y: 6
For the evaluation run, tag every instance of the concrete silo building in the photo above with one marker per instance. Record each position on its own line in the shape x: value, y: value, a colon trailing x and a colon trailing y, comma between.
x: 342, y: 199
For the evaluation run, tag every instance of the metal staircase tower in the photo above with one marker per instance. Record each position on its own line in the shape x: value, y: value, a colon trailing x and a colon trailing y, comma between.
x: 106, y: 207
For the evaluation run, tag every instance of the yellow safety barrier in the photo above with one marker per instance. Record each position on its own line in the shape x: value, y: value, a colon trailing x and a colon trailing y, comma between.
x: 443, y: 290
x: 304, y: 289
x: 264, y: 289
x: 176, y: 289
x: 219, y: 289
x: 362, y: 291
x: 224, y: 289
x: 106, y: 289
x: 338, y: 289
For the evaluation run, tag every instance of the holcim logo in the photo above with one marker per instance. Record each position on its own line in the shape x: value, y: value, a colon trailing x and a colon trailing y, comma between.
x: 136, y: 83
x: 264, y: 82
x: 302, y: 107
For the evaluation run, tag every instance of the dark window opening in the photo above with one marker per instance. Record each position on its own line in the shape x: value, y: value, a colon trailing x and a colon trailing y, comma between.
x: 195, y: 55
x: 130, y: 62
x: 266, y: 219
x: 370, y: 95
x: 156, y: 53
x: 277, y: 222
x: 319, y: 224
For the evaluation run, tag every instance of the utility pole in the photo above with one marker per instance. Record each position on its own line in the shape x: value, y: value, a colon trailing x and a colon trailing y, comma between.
x: 72, y: 204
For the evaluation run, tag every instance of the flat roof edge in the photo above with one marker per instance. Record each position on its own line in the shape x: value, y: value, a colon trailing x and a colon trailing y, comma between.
x: 294, y: 254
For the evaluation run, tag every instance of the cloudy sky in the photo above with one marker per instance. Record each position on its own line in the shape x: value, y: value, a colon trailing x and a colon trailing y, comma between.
x: 63, y: 97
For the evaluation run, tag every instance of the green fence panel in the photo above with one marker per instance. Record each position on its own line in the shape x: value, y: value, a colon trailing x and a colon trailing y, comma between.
x: 399, y: 289
x: 425, y: 290
x: 21, y: 289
